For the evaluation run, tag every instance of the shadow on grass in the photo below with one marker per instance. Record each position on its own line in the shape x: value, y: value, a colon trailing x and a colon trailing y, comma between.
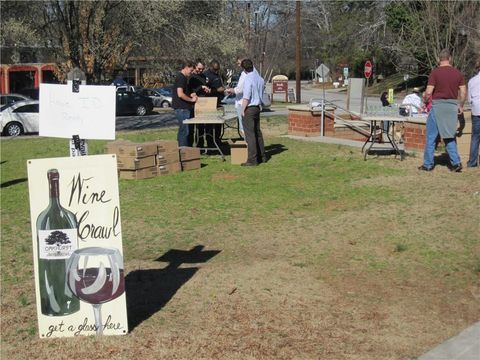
x: 270, y: 150
x: 442, y: 160
x: 148, y: 291
x: 382, y: 152
x: 12, y: 182
x: 274, y: 149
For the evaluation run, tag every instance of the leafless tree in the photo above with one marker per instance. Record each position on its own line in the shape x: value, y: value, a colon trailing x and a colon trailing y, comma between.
x: 421, y: 29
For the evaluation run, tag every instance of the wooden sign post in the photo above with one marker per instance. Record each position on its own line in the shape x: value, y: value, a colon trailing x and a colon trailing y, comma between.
x: 280, y: 86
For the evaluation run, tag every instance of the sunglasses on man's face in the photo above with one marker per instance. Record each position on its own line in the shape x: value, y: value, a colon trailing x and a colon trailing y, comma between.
x: 200, y: 68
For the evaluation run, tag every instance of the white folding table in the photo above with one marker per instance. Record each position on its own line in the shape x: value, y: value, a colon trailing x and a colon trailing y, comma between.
x: 375, y: 120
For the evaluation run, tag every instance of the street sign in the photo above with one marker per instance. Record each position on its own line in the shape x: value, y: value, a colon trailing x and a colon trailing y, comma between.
x: 280, y: 86
x: 390, y: 96
x: 323, y: 71
x: 368, y: 69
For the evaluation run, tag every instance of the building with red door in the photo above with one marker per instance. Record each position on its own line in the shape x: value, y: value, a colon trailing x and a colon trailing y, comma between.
x: 24, y: 68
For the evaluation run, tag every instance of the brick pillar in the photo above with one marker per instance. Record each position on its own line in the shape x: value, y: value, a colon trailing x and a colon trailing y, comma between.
x: 414, y: 136
x: 302, y: 121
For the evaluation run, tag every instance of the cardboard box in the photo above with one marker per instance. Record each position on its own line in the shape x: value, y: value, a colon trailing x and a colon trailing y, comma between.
x: 168, y: 157
x: 238, y: 151
x: 168, y: 169
x: 133, y: 163
x: 111, y: 147
x: 139, y: 174
x: 165, y: 145
x: 191, y: 165
x: 206, y: 105
x: 189, y: 153
x: 127, y: 148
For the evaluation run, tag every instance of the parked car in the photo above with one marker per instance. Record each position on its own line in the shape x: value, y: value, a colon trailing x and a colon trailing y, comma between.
x: 230, y: 100
x: 9, y: 99
x: 128, y: 102
x: 166, y: 92
x: 33, y: 93
x: 159, y: 100
x: 130, y: 88
x: 20, y: 118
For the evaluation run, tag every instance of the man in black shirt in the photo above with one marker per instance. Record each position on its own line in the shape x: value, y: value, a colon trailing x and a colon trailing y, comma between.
x: 215, y: 82
x: 217, y: 89
x: 197, y: 84
x: 183, y: 101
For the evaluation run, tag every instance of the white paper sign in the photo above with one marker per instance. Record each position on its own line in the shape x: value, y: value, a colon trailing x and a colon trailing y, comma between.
x: 90, y: 113
x: 77, y: 246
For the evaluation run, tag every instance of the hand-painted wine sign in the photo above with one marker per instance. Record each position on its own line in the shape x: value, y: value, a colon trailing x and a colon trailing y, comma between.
x: 77, y: 246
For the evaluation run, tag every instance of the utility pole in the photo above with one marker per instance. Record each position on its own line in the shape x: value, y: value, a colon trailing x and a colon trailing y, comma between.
x: 298, y: 58
x: 248, y: 31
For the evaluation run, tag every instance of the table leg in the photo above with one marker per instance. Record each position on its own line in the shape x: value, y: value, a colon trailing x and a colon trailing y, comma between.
x: 223, y: 131
x: 372, y: 137
x: 218, y: 147
x: 394, y: 143
x: 195, y: 136
x: 368, y: 139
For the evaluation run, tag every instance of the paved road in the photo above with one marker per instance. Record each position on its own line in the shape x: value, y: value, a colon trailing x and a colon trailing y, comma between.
x: 336, y: 96
x: 154, y: 121
x: 163, y: 119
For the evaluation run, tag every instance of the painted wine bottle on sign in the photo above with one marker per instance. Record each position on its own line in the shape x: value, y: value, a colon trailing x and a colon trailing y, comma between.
x: 57, y: 240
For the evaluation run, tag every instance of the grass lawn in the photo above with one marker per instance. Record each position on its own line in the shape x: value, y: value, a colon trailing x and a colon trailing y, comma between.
x: 315, y: 255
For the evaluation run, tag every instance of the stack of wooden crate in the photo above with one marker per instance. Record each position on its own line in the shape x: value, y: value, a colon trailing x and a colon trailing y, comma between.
x: 135, y: 161
x: 145, y: 160
x: 168, y: 157
x: 190, y: 158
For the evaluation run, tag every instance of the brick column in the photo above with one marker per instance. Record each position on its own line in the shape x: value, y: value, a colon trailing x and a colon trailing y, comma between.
x: 414, y: 135
x: 302, y: 121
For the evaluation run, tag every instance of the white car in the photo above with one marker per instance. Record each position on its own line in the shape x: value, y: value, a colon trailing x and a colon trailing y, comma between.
x: 161, y: 97
x: 7, y: 100
x: 20, y: 118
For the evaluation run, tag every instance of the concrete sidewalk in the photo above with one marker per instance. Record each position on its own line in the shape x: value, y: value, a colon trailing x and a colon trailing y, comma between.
x: 464, y: 346
x: 380, y: 148
x: 327, y: 140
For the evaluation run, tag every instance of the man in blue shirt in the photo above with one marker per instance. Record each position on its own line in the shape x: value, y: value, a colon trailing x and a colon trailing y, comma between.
x: 253, y: 88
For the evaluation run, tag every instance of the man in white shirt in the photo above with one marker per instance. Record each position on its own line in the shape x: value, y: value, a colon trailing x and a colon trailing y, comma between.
x: 252, y: 101
x: 413, y: 102
x: 474, y: 98
x: 238, y: 91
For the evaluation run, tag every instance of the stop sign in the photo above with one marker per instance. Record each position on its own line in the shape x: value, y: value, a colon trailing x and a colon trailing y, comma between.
x: 368, y: 69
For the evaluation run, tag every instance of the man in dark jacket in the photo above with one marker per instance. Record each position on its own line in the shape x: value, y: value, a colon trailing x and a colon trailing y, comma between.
x: 217, y: 89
